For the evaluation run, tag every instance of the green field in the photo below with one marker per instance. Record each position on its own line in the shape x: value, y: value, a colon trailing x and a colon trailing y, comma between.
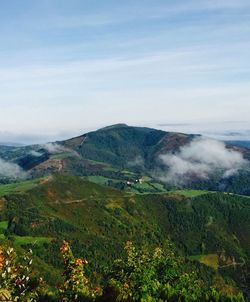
x: 18, y: 187
x: 101, y: 180
x: 148, y: 185
x: 24, y: 240
x: 3, y: 227
x: 191, y: 193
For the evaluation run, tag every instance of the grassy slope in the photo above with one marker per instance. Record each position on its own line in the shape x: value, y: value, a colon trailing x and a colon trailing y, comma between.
x: 191, y: 193
x: 23, y: 186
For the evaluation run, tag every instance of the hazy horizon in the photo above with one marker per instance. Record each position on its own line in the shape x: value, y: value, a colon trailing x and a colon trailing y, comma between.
x: 215, y: 130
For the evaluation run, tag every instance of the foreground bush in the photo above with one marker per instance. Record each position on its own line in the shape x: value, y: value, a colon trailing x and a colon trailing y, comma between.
x: 76, y: 286
x: 16, y: 281
x: 157, y: 276
x: 142, y: 276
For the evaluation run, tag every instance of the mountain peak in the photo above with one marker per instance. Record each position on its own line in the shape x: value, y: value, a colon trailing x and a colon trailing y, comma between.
x: 120, y: 125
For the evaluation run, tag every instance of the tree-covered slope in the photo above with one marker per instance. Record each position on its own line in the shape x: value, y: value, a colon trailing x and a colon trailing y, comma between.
x: 98, y: 220
x: 125, y: 146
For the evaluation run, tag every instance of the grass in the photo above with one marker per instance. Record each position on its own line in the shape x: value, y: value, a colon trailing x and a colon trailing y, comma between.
x: 3, y: 226
x: 211, y: 260
x: 18, y: 187
x: 101, y: 180
x: 97, y: 162
x: 24, y: 240
x: 127, y: 173
x: 191, y: 193
x: 159, y: 186
x: 61, y: 155
x: 104, y: 166
x: 195, y: 257
x: 144, y: 186
x: 147, y: 186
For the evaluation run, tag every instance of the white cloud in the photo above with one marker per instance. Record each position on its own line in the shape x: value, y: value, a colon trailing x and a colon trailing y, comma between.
x: 35, y: 153
x: 200, y: 159
x: 11, y: 170
x: 54, y: 148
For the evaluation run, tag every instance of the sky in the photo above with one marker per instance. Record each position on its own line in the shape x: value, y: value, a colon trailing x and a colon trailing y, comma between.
x: 71, y: 66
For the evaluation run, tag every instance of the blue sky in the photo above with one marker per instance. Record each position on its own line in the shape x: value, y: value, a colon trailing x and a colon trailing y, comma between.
x: 70, y: 66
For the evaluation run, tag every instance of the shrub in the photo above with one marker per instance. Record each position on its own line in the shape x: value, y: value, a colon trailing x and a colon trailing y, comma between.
x: 16, y: 280
x: 157, y: 276
x: 76, y: 286
x: 142, y: 276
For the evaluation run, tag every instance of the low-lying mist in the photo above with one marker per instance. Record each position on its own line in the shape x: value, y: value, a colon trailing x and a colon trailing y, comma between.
x: 11, y: 170
x: 200, y: 159
x: 54, y: 148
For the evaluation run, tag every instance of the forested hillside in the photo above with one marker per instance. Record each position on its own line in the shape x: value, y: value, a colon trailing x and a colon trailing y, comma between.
x: 211, y: 228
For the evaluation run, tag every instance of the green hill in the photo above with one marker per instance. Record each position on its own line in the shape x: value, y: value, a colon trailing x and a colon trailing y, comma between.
x: 125, y: 146
x: 122, y: 153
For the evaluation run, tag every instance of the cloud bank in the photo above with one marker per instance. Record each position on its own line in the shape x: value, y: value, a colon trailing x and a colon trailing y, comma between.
x: 54, y: 148
x: 11, y: 170
x: 35, y: 153
x: 200, y: 159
